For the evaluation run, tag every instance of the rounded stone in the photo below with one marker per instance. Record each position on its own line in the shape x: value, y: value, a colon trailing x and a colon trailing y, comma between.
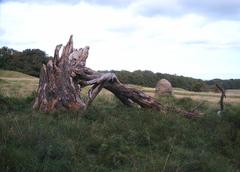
x: 163, y: 88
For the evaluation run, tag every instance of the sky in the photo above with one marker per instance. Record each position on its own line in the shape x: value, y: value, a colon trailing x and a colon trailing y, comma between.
x: 194, y: 38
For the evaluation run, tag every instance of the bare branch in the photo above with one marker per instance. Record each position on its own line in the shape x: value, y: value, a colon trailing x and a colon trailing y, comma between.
x: 223, y: 95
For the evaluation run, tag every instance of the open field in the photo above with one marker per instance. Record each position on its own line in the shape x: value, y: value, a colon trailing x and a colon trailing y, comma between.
x: 16, y: 84
x: 233, y: 96
x: 13, y: 74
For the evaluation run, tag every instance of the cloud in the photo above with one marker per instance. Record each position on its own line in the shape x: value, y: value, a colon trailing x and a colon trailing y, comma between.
x: 196, y: 42
x: 123, y: 29
x: 212, y: 9
x: 151, y: 8
x: 43, y: 1
x: 113, y: 3
x: 215, y: 9
x: 220, y: 9
x: 1, y: 31
x: 121, y: 38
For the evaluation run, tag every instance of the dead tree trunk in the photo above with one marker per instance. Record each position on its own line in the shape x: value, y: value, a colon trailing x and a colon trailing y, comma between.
x: 63, y: 77
x: 223, y: 95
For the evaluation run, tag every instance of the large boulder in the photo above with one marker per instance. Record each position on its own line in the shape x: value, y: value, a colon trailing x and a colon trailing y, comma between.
x: 163, y: 88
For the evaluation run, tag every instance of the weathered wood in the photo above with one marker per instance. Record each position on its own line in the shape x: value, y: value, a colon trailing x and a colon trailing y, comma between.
x: 223, y: 95
x: 56, y: 86
x: 63, y: 77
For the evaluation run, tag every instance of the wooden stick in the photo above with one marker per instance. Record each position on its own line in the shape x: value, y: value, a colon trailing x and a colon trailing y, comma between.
x: 223, y: 95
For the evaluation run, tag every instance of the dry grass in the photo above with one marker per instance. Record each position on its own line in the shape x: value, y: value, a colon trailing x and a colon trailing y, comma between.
x: 233, y: 96
x: 16, y: 84
x: 13, y: 74
x: 18, y: 88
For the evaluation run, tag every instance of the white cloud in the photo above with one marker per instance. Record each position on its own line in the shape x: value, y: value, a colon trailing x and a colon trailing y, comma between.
x: 120, y: 38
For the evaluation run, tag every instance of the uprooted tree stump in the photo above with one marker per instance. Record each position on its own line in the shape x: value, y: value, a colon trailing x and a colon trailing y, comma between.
x: 62, y: 79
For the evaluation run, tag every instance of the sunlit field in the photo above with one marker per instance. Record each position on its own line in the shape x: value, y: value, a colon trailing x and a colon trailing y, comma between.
x: 16, y: 84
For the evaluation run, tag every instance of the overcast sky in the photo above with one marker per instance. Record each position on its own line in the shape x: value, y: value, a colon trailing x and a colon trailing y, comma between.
x: 196, y: 38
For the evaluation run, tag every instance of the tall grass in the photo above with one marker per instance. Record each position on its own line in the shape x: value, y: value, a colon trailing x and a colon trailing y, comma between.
x: 111, y: 137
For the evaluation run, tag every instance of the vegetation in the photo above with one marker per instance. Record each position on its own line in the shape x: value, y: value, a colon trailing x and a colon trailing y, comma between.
x: 30, y: 61
x: 227, y: 84
x: 108, y: 136
x: 111, y: 137
x: 16, y: 84
x: 149, y: 79
x: 13, y: 74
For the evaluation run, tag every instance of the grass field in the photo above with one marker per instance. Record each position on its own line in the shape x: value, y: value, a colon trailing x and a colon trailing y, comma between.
x: 233, y: 96
x: 18, y: 84
x: 111, y: 137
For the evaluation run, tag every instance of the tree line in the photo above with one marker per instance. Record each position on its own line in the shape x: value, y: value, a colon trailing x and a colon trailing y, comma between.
x: 30, y: 61
x: 149, y: 79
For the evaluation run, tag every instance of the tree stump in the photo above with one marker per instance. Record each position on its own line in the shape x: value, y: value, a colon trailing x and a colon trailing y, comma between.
x: 62, y: 79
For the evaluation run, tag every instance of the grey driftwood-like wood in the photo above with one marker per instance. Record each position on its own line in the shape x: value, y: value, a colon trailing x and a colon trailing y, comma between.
x: 62, y: 79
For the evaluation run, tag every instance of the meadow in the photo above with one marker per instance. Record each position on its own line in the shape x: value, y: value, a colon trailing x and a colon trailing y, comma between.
x: 111, y: 137
x: 16, y: 84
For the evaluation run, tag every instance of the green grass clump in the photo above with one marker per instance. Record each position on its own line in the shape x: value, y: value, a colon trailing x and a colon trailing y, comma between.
x: 111, y: 137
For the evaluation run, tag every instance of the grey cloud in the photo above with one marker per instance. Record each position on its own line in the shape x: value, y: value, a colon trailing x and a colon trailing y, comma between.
x: 222, y: 9
x: 154, y: 10
x: 216, y: 9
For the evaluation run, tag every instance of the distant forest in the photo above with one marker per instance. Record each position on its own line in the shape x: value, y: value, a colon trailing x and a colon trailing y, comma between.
x: 30, y: 61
